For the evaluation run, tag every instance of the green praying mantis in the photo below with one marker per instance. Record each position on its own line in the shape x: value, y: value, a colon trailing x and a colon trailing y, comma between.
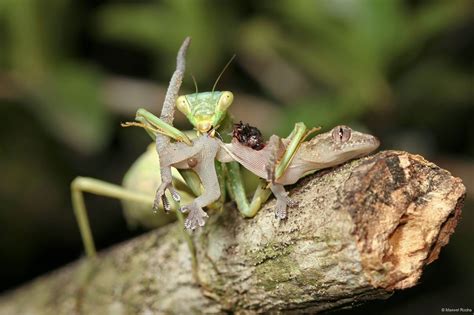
x: 201, y: 181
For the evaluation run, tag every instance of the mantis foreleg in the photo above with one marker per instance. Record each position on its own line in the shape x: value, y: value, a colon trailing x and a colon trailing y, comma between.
x: 296, y: 137
x: 154, y: 125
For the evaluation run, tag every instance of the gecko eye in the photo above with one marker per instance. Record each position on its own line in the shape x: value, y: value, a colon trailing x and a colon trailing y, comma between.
x: 341, y: 134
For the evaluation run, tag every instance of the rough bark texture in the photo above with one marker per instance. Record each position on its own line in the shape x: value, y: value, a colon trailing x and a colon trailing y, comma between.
x: 360, y: 231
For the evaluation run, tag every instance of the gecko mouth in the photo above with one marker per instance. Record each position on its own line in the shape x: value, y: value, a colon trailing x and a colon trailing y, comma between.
x: 370, y: 142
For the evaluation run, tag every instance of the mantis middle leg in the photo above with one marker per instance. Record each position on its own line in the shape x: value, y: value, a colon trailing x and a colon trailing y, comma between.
x: 237, y: 191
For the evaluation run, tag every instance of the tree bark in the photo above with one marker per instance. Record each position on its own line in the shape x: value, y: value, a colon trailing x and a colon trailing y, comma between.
x: 360, y: 231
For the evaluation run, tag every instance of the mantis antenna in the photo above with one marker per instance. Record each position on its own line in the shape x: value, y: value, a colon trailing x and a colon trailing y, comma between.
x: 195, y: 85
x: 222, y: 72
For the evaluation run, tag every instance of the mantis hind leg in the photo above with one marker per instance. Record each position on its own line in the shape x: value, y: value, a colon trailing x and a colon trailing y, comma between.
x: 91, y: 185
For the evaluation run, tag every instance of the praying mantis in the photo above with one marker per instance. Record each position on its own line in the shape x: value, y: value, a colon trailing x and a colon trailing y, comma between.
x: 279, y: 162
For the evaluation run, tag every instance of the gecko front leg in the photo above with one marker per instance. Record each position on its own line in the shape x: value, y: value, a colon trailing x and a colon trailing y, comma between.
x: 166, y: 184
x: 176, y: 154
x: 205, y: 168
x: 283, y: 201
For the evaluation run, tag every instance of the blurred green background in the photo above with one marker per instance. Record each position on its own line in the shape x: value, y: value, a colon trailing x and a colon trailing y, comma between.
x: 71, y: 71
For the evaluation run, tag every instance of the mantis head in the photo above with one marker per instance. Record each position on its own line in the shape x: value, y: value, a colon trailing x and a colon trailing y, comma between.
x: 205, y: 110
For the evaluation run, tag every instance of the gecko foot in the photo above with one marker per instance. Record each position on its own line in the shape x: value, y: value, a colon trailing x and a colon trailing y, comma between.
x: 280, y: 210
x: 160, y: 195
x: 282, y: 203
x: 196, y: 216
x: 291, y: 202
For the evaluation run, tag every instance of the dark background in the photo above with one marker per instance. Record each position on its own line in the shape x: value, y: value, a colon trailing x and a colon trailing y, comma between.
x: 71, y: 71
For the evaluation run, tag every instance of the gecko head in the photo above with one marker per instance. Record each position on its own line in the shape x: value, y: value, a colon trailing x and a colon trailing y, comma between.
x: 205, y: 110
x: 342, y: 144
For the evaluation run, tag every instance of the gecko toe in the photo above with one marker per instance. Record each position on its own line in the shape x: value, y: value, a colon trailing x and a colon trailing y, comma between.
x: 175, y: 195
x: 160, y: 196
x: 166, y: 203
x: 189, y: 225
x: 291, y: 202
x: 156, y: 205
x: 280, y: 214
x: 280, y: 210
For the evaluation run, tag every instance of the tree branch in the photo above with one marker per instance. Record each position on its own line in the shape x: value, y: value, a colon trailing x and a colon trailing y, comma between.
x: 360, y: 231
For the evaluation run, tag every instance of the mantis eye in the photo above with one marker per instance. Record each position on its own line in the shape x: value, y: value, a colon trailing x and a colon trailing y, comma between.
x: 341, y: 134
x: 183, y: 105
x: 225, y: 101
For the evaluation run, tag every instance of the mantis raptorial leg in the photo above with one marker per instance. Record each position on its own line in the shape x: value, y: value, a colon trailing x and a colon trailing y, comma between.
x: 161, y: 127
x: 296, y: 136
